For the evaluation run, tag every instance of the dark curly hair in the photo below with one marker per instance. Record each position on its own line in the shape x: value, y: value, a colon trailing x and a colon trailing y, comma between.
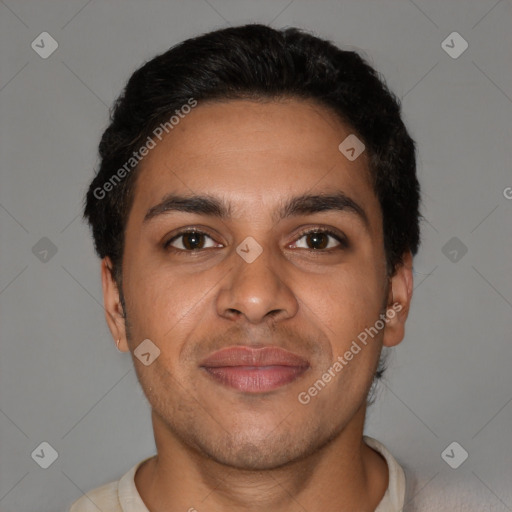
x: 258, y: 62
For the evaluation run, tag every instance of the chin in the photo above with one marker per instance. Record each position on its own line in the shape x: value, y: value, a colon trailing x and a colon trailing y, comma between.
x: 242, y: 452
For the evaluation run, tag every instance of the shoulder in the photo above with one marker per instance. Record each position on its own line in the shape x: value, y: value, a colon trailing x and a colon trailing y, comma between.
x: 393, y: 498
x: 447, y: 491
x: 118, y: 496
x: 102, y: 498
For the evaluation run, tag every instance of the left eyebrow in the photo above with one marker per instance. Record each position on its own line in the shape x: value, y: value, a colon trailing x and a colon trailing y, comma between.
x: 305, y: 204
x: 310, y: 204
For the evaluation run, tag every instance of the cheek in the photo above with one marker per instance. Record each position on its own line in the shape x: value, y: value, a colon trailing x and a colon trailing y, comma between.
x: 162, y: 302
x: 346, y: 302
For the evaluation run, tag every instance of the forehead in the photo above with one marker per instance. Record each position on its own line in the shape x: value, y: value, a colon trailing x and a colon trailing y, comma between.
x: 254, y: 154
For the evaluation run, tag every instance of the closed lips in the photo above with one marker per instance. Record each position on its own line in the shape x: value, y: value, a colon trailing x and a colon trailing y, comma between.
x: 254, y: 370
x: 255, y: 357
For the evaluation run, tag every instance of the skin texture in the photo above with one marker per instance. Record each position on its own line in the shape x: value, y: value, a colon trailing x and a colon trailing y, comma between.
x: 219, y: 448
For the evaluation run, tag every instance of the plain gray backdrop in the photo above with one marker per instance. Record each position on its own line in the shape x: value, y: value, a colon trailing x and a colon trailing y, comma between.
x: 62, y: 380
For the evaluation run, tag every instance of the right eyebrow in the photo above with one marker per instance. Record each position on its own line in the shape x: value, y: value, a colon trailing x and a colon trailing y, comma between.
x: 201, y: 205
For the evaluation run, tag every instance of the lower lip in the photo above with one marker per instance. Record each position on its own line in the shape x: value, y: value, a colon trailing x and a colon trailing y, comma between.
x: 255, y: 379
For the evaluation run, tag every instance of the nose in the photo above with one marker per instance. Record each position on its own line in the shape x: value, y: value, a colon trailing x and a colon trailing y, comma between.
x: 256, y: 291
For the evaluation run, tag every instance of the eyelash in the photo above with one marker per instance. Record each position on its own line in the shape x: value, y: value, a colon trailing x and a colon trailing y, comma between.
x: 341, y: 240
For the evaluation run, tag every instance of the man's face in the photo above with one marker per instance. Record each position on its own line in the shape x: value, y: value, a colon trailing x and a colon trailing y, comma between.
x: 308, y: 294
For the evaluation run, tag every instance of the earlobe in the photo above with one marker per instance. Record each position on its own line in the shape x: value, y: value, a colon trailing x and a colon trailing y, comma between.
x: 401, y: 287
x: 114, y: 313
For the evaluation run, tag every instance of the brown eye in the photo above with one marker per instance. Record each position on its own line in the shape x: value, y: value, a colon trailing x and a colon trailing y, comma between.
x: 317, y: 240
x: 188, y: 241
x: 320, y: 239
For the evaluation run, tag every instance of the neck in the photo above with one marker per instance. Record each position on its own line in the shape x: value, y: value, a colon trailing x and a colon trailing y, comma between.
x: 344, y: 475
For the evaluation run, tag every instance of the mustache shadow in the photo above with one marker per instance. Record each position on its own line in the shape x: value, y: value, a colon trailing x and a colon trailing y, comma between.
x: 310, y: 347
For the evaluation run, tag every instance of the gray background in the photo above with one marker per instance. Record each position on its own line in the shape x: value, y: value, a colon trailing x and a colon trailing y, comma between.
x: 62, y: 380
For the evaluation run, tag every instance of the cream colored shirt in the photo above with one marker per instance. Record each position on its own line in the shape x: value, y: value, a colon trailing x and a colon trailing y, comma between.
x: 122, y: 496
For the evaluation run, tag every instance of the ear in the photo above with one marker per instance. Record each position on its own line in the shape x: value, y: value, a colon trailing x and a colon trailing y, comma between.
x: 113, y: 307
x: 399, y: 301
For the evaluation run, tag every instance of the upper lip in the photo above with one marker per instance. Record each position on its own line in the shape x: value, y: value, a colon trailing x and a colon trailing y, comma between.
x: 250, y: 356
